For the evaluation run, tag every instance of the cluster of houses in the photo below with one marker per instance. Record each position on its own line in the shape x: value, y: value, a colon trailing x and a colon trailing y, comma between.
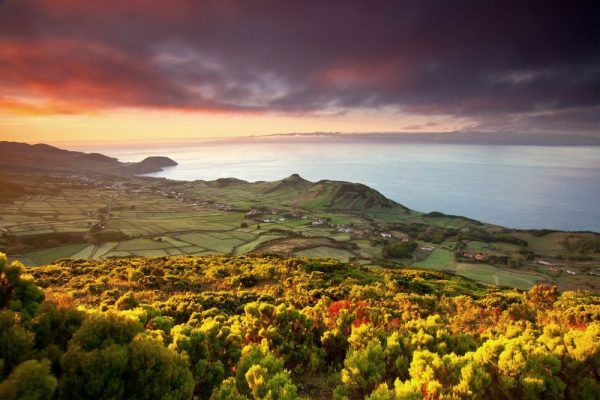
x: 553, y: 267
x: 548, y: 264
x: 387, y: 235
x: 256, y: 212
x: 479, y: 256
x: 321, y: 222
x: 273, y: 220
x: 325, y: 223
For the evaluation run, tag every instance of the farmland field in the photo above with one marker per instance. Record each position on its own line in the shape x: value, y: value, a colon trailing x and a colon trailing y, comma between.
x: 324, y: 252
x: 153, y: 217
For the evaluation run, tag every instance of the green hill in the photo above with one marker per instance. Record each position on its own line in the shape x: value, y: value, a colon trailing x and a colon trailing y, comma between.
x: 335, y: 195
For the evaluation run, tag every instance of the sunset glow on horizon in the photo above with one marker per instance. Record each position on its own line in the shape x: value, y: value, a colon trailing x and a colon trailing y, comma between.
x: 130, y: 125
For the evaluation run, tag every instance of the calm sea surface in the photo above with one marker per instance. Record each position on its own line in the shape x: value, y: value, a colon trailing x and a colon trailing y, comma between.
x: 514, y: 186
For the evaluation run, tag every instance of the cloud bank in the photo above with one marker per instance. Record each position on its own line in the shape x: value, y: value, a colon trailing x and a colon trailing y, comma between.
x: 528, y: 66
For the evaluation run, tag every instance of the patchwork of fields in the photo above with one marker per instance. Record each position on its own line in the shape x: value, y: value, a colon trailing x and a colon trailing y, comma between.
x: 293, y: 217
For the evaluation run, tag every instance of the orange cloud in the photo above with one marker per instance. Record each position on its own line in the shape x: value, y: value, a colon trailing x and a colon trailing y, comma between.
x: 372, y: 74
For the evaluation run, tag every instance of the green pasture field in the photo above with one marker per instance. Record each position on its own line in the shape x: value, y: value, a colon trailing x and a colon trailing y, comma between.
x: 32, y: 231
x: 443, y: 260
x: 210, y: 242
x: 253, y: 244
x: 174, y: 242
x: 388, y: 215
x: 477, y: 246
x: 341, y: 237
x: 495, y: 276
x: 294, y: 223
x: 85, y: 253
x: 439, y: 259
x: 104, y: 248
x: 46, y: 256
x: 550, y: 244
x: 242, y: 235
x: 323, y: 251
x: 367, y: 249
x: 142, y: 244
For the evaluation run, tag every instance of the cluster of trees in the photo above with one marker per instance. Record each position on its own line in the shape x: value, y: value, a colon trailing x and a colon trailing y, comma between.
x: 584, y: 246
x: 400, y: 249
x: 425, y: 232
x: 24, y: 243
x: 191, y: 327
x: 482, y: 235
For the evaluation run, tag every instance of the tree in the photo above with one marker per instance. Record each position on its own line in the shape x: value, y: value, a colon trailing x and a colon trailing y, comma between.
x: 16, y: 343
x: 264, y: 384
x: 31, y: 380
x: 288, y: 332
x: 155, y: 372
x: 400, y: 250
x: 260, y: 375
x: 212, y: 350
x: 17, y: 291
x: 227, y: 391
x: 108, y: 357
x: 363, y: 370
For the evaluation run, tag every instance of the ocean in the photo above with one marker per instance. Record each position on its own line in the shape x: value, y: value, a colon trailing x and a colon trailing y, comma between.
x: 529, y: 187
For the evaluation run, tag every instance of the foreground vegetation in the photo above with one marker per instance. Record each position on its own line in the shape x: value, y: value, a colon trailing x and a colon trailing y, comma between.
x: 265, y: 327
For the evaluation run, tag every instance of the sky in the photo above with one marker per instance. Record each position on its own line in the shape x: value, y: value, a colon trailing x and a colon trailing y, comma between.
x: 143, y: 69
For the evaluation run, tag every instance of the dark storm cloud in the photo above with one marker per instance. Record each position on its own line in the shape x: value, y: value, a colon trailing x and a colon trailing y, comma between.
x: 472, y: 59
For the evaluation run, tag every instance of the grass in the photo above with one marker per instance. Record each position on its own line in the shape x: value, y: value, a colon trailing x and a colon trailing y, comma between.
x: 477, y: 246
x: 250, y: 246
x: 150, y: 253
x: 496, y: 276
x: 142, y: 244
x: 103, y: 249
x: 210, y: 242
x: 46, y: 256
x: 443, y: 260
x: 439, y: 259
x: 174, y: 242
x: 324, y: 251
x: 85, y: 253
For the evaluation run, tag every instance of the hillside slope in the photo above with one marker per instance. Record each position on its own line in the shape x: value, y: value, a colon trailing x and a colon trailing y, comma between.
x: 287, y: 328
x: 325, y: 195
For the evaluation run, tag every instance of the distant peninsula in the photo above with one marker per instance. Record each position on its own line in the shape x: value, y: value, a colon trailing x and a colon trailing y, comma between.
x: 44, y: 158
